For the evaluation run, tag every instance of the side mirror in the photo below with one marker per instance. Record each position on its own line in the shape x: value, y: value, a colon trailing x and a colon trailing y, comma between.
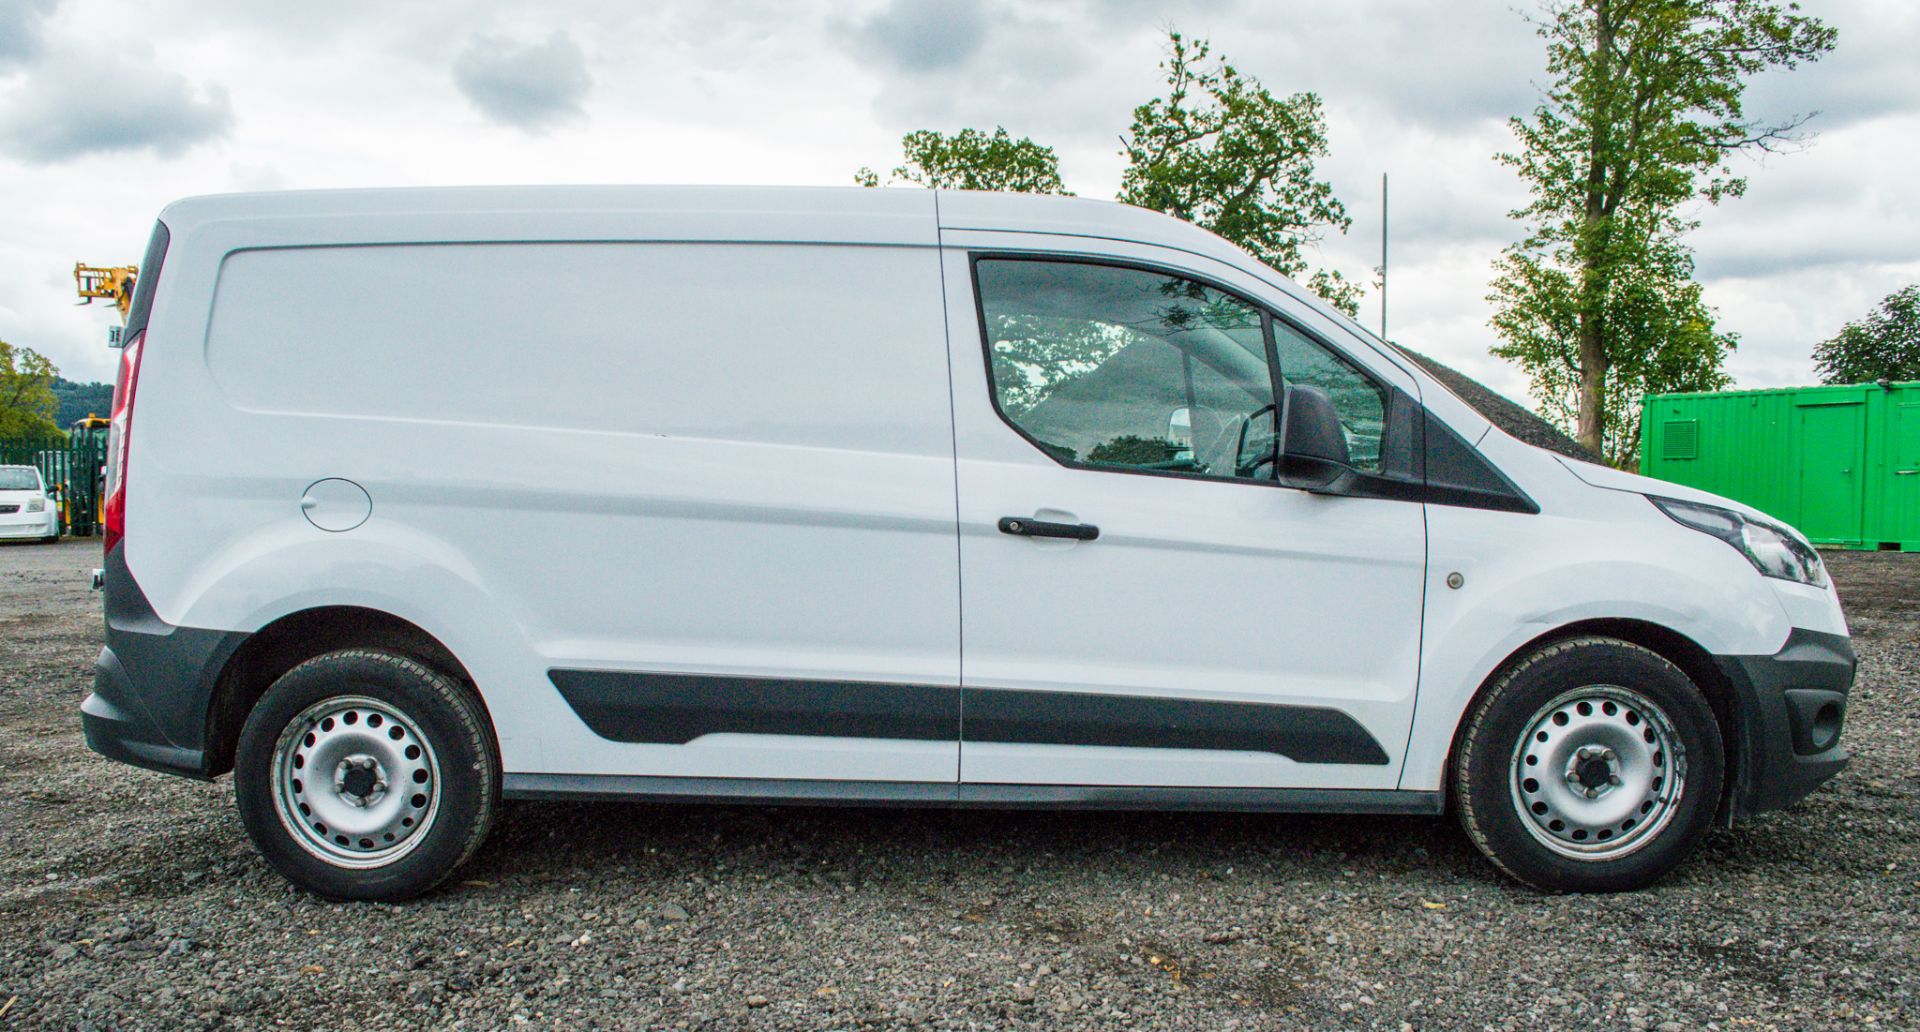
x: 1313, y: 445
x: 1180, y: 428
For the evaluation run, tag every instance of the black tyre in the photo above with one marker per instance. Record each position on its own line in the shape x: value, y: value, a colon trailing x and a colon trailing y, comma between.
x: 365, y: 774
x: 1592, y: 765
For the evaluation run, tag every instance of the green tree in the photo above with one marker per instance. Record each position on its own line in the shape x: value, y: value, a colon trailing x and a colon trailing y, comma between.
x: 1133, y: 450
x: 1644, y: 114
x: 1221, y: 151
x: 27, y: 402
x: 1662, y: 335
x: 1883, y: 346
x: 973, y: 160
x: 1032, y: 355
x: 1218, y: 150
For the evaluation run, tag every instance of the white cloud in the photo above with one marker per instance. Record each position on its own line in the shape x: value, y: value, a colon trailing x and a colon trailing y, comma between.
x: 95, y: 101
x: 923, y: 35
x: 21, y: 25
x: 531, y: 86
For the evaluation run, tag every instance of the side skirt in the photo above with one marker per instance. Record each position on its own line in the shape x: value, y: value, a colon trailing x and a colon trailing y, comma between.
x: 642, y: 788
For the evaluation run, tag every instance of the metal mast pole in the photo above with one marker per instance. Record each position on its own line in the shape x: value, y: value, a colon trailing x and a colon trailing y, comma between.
x: 1383, y: 256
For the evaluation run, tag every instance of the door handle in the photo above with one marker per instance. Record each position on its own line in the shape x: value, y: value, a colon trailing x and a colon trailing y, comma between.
x: 1026, y: 527
x: 1905, y: 472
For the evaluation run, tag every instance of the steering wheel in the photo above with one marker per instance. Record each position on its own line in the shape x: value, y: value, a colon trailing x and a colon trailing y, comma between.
x: 1266, y: 459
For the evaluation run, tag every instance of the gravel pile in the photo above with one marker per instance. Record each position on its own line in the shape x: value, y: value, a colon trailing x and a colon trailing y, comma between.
x: 133, y: 900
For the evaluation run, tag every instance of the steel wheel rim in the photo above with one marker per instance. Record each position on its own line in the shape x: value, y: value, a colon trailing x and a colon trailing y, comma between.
x: 1599, y: 773
x: 355, y: 782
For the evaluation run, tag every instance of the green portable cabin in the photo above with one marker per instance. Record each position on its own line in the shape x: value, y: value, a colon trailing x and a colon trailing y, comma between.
x: 1842, y: 463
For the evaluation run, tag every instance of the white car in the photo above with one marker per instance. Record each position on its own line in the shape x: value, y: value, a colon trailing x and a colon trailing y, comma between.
x: 422, y: 499
x: 26, y: 510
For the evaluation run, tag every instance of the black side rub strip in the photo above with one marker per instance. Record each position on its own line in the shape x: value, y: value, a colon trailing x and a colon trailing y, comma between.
x: 674, y: 709
x: 1303, y: 734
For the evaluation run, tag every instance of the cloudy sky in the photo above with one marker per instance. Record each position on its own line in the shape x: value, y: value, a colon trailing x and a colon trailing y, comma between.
x: 109, y: 110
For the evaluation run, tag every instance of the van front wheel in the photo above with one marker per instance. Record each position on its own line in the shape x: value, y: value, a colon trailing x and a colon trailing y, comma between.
x: 365, y: 774
x: 1593, y: 765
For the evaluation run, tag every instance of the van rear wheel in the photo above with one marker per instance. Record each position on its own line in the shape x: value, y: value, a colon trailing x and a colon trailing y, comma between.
x: 1593, y: 765
x: 365, y: 774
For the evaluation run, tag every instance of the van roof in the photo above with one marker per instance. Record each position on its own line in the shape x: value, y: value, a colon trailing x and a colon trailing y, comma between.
x: 673, y: 205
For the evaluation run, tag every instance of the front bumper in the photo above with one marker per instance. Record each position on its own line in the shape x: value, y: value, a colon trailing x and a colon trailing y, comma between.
x: 1788, y: 712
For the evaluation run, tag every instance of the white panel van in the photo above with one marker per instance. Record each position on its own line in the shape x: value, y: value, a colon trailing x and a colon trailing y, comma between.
x: 423, y: 499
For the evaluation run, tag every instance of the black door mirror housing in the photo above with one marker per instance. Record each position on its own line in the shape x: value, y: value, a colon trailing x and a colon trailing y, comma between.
x: 1313, y: 445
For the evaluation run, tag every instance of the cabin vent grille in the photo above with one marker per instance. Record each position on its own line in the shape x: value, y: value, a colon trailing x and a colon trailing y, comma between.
x: 1681, y: 439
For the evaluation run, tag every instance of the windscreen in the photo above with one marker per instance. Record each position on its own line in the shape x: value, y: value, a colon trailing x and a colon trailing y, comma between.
x: 18, y: 478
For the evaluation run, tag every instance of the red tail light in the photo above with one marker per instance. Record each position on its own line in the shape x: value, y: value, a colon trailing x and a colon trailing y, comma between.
x: 114, y: 512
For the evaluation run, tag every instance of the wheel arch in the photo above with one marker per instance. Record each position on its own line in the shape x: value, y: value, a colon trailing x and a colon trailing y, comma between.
x: 292, y: 639
x: 1683, y: 652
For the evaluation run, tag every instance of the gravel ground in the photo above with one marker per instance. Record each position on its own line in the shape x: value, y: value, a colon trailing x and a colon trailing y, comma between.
x: 133, y: 900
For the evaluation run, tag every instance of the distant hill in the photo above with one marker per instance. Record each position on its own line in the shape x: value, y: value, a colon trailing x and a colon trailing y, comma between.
x: 77, y: 400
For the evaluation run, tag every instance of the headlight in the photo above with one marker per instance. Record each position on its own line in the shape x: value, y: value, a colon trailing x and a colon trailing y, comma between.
x: 37, y: 505
x: 1772, y: 549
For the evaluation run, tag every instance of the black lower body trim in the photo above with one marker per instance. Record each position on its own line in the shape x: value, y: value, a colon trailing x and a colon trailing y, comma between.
x: 115, y: 724
x: 153, y: 682
x: 952, y: 794
x: 678, y: 708
x: 1303, y: 734
x: 628, y: 706
x: 1788, y: 712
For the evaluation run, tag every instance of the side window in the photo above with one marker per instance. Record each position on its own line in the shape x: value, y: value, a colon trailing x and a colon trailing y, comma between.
x: 1361, y: 403
x: 1128, y: 369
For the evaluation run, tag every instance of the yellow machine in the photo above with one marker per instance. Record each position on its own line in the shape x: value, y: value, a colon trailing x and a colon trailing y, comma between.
x: 113, y: 283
